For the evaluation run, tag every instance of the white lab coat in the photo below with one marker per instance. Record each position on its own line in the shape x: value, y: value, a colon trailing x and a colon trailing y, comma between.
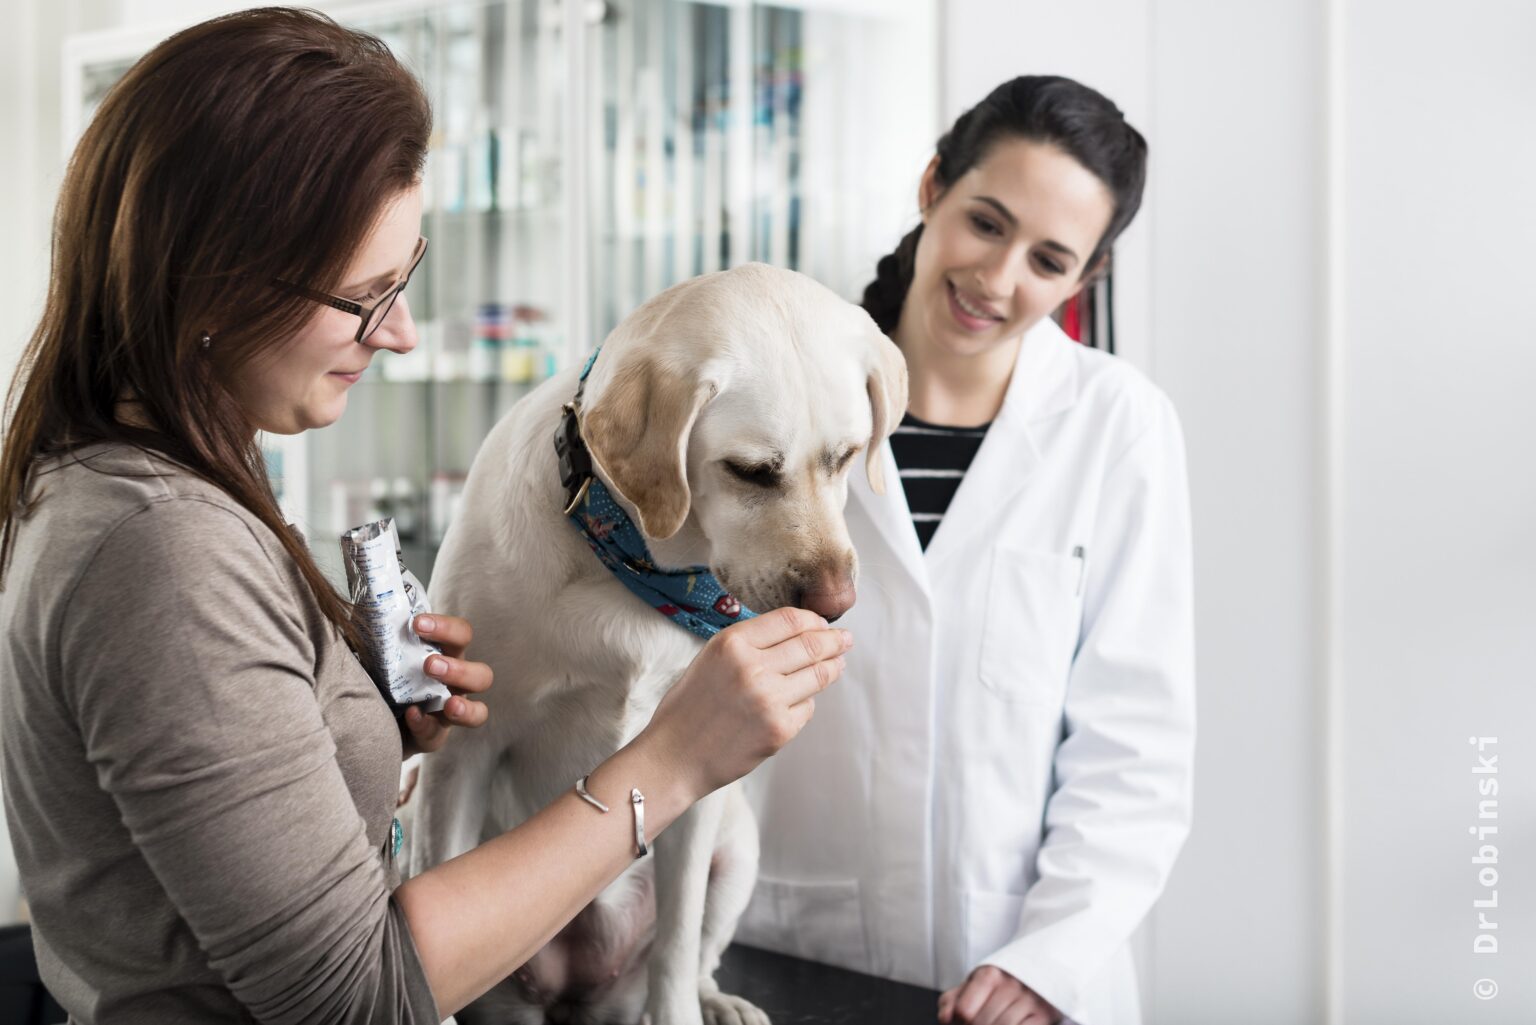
x: 1003, y: 775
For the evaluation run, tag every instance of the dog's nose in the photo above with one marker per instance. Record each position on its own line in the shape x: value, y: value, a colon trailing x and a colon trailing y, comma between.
x: 829, y: 596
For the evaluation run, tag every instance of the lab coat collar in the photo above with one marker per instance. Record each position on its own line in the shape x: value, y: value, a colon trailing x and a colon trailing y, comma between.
x: 1044, y: 380
x: 1043, y: 383
x: 891, y: 517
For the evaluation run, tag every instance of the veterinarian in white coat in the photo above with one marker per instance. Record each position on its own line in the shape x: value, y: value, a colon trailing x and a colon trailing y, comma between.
x: 993, y: 799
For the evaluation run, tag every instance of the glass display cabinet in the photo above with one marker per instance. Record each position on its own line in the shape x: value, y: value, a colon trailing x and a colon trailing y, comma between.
x: 567, y: 183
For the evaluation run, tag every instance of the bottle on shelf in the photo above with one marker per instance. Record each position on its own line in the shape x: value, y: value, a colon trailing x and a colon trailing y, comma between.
x: 529, y: 358
x: 487, y: 353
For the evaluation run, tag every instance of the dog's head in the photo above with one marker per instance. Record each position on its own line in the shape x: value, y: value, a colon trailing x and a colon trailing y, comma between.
x: 729, y: 408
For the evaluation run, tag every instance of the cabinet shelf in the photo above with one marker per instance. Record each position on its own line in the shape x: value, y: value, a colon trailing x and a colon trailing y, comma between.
x: 624, y: 153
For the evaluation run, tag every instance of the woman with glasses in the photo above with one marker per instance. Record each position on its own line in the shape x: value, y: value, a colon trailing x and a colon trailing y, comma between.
x: 199, y: 776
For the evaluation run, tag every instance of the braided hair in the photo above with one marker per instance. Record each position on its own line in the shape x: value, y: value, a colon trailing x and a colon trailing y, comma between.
x: 1080, y: 121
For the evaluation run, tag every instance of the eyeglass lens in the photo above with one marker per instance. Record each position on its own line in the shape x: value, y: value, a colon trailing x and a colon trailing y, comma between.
x: 381, y: 312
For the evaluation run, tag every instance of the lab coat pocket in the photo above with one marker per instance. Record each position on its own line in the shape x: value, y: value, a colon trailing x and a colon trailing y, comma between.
x: 991, y: 922
x: 1030, y: 624
x: 821, y: 921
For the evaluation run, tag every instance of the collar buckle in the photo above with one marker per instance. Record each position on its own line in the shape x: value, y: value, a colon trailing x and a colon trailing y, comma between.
x: 574, y: 459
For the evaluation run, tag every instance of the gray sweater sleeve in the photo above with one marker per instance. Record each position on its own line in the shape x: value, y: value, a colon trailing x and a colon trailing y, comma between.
x: 190, y: 673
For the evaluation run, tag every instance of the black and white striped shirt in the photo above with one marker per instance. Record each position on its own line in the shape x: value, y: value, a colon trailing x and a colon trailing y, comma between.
x: 932, y: 460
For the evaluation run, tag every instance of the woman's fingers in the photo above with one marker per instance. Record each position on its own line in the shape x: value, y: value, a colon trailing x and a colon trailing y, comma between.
x: 427, y: 730
x: 464, y: 712
x: 799, y: 715
x: 475, y: 677
x: 974, y: 994
x: 991, y: 996
x: 771, y: 628
x: 739, y: 701
x: 947, y: 1005
x: 1003, y: 1007
x: 451, y: 633
x: 805, y: 649
x: 430, y: 730
x: 812, y: 680
x: 456, y: 711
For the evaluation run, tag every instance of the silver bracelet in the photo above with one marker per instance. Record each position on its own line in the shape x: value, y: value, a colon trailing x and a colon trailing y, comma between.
x: 636, y: 802
x: 581, y: 790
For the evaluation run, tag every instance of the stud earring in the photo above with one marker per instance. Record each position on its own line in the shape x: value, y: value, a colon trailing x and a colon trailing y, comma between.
x: 205, y: 339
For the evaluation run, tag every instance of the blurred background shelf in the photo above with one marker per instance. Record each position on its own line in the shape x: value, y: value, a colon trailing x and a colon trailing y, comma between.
x: 566, y: 184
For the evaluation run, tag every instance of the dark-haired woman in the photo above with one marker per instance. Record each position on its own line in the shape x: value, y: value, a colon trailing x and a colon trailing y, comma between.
x: 993, y: 798
x: 199, y: 775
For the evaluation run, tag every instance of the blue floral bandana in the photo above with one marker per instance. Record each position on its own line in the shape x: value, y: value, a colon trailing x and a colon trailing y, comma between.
x: 692, y: 598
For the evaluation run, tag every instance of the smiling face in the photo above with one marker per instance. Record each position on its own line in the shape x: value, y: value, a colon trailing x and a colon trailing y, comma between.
x: 1002, y: 247
x: 304, y: 385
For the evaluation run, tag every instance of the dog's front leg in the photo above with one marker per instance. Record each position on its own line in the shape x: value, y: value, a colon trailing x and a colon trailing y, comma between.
x: 733, y: 872
x: 682, y: 856
x: 447, y: 809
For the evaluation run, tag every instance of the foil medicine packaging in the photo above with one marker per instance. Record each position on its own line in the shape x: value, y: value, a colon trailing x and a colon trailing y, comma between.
x: 386, y: 598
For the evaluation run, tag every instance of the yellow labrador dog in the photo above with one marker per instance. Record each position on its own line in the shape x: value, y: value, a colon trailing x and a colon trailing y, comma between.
x: 723, y: 415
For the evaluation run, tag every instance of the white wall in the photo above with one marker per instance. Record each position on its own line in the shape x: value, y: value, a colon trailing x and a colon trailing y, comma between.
x: 1342, y: 321
x: 1437, y: 633
x: 1237, y: 284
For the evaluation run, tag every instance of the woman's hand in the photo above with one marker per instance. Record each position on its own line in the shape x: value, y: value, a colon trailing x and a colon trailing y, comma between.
x: 428, y: 732
x: 990, y: 996
x: 745, y: 695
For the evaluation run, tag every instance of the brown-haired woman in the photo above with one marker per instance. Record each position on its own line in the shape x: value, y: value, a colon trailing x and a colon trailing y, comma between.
x: 199, y: 776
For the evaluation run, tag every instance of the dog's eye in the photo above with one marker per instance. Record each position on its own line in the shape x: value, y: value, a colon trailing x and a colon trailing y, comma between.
x: 762, y: 476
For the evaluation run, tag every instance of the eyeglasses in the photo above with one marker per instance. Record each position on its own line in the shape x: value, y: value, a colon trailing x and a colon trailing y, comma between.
x: 370, y: 316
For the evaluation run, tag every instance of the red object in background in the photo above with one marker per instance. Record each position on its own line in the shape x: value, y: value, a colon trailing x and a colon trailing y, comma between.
x: 1072, y: 317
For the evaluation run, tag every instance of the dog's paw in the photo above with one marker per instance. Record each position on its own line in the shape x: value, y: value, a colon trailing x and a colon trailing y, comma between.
x: 724, y: 1009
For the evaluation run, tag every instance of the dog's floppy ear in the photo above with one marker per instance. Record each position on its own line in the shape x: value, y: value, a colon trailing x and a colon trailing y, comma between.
x: 887, y: 402
x: 637, y: 431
